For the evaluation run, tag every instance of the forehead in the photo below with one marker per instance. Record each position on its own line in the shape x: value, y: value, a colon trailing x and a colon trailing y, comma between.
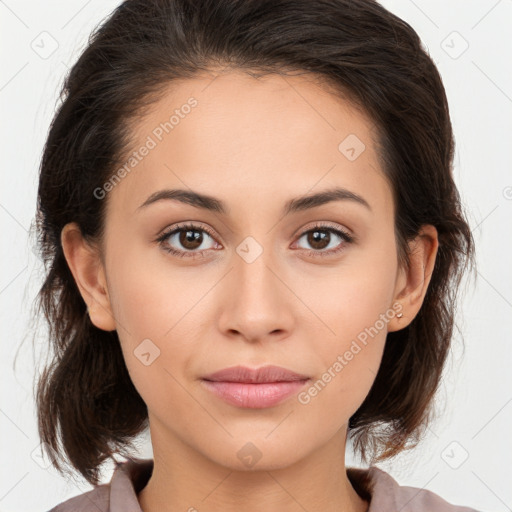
x: 237, y: 137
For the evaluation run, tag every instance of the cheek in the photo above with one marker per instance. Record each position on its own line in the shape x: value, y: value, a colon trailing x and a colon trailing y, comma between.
x: 350, y: 359
x: 152, y: 296
x: 354, y: 306
x: 151, y: 311
x: 352, y: 296
x: 156, y: 309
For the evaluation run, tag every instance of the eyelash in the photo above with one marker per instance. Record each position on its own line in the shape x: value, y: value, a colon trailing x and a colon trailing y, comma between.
x: 194, y: 227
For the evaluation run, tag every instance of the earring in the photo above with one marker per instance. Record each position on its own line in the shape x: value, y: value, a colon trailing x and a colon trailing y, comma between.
x: 399, y: 315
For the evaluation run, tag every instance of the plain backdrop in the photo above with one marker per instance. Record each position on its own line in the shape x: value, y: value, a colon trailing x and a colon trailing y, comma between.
x: 465, y: 457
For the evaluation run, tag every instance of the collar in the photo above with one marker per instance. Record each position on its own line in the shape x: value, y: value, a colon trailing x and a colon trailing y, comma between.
x: 131, y: 476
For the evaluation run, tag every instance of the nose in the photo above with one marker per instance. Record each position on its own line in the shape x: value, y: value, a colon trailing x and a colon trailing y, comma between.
x: 257, y: 301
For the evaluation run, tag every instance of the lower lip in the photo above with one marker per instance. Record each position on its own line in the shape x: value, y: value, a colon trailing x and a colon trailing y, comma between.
x: 254, y: 396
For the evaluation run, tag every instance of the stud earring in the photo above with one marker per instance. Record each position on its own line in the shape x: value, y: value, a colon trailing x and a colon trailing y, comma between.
x: 399, y: 315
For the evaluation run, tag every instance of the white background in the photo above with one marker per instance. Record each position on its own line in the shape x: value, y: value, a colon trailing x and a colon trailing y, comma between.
x: 475, y: 399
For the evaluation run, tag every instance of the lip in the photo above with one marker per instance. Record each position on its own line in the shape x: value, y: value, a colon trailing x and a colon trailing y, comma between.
x: 268, y: 373
x: 254, y: 396
x: 254, y: 388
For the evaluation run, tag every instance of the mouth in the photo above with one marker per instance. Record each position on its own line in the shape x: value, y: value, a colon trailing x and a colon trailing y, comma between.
x: 265, y: 374
x: 254, y: 396
x: 254, y: 388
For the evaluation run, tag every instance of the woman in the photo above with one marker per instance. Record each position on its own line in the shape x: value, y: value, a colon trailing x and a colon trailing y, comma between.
x: 254, y: 242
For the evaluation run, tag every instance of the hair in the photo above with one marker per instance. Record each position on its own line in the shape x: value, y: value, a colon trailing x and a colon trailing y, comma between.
x: 85, y: 399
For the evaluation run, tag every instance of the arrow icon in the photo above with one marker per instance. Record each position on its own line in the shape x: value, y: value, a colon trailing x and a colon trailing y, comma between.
x: 146, y: 352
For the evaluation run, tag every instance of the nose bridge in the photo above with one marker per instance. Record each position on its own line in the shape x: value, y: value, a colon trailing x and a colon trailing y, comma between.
x: 253, y: 263
x: 257, y: 303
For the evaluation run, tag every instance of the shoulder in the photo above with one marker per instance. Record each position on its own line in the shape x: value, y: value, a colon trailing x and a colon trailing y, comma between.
x: 385, y: 494
x: 119, y: 495
x: 96, y: 500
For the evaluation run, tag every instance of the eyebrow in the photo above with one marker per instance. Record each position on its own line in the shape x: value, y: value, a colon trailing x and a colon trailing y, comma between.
x: 298, y: 204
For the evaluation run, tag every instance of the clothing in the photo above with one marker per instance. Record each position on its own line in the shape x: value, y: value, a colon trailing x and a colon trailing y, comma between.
x: 372, y: 484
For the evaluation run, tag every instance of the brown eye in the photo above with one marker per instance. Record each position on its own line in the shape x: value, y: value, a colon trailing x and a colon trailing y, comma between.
x: 318, y: 239
x: 190, y: 239
x: 325, y: 240
x: 184, y: 241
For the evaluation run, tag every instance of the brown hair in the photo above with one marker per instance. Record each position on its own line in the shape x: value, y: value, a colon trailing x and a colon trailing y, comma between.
x: 85, y: 397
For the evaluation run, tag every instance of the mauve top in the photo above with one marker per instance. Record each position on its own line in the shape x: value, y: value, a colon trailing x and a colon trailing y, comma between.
x: 373, y: 484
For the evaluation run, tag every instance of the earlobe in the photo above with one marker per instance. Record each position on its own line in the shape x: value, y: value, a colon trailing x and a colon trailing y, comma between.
x: 85, y: 264
x: 413, y: 282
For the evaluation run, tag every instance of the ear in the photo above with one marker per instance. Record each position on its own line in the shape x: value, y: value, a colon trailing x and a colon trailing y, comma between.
x: 86, y: 266
x: 412, y: 283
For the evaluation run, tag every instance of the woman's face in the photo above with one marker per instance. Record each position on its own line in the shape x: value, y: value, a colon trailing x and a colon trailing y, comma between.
x: 254, y: 286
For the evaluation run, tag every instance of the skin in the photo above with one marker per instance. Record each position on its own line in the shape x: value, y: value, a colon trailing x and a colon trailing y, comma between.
x: 254, y: 144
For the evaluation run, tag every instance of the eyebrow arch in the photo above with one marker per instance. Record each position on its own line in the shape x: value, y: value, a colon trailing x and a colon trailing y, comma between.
x: 321, y: 198
x: 207, y: 202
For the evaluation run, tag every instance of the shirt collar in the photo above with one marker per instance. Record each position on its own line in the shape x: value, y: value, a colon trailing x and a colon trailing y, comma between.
x: 128, y: 480
x: 131, y: 476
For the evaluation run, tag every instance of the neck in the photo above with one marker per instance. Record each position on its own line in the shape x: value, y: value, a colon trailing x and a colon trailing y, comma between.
x: 184, y: 479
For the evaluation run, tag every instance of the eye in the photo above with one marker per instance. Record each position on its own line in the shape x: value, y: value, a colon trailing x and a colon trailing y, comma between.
x: 320, y: 237
x: 189, y: 236
x: 192, y: 236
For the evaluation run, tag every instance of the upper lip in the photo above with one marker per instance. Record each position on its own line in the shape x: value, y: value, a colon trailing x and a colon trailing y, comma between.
x: 269, y: 373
